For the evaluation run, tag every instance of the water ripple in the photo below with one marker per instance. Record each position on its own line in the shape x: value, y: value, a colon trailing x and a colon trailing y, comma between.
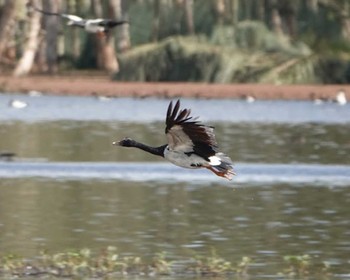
x: 252, y: 173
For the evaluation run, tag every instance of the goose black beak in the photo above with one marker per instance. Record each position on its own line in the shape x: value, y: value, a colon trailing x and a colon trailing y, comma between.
x: 126, y: 142
x: 122, y: 142
x: 116, y: 143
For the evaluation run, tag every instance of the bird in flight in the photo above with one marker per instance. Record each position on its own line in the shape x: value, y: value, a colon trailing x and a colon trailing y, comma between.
x: 99, y: 25
x: 191, y: 144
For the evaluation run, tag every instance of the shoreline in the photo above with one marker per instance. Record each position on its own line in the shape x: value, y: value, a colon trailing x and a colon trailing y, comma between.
x: 85, y: 85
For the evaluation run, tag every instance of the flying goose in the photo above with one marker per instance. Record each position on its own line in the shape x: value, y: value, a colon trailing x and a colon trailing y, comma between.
x: 191, y: 144
x: 99, y: 25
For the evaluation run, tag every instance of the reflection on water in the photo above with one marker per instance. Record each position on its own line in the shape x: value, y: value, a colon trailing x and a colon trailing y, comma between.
x: 60, y: 192
x: 247, y: 142
x: 264, y: 222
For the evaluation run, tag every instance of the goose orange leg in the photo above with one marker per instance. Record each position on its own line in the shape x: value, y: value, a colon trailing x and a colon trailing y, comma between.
x: 218, y: 173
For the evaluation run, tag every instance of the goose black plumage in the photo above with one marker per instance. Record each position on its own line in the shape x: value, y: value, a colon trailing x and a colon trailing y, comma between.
x: 99, y: 25
x: 191, y: 144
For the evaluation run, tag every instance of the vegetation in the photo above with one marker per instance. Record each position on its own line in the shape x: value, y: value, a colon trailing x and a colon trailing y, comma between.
x: 84, y: 263
x: 108, y: 263
x: 274, y: 41
x: 303, y: 266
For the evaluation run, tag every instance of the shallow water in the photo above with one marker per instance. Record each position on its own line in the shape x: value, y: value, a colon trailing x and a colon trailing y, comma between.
x: 69, y: 188
x: 52, y: 108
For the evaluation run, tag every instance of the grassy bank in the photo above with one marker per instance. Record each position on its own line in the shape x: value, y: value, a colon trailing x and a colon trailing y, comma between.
x: 109, y: 263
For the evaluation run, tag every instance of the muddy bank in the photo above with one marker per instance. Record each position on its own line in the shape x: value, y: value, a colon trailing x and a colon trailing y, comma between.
x: 100, y: 85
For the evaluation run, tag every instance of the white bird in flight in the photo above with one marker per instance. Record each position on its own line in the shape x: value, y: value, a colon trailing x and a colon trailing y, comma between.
x: 99, y: 25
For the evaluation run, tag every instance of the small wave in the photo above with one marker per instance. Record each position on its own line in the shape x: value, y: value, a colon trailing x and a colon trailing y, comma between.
x: 53, y: 108
x: 247, y: 173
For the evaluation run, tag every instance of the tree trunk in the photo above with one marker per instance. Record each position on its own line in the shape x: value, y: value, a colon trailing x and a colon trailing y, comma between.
x: 234, y: 6
x: 276, y: 21
x: 156, y: 20
x: 220, y: 8
x: 189, y: 16
x: 260, y: 10
x: 345, y: 21
x: 123, y: 33
x: 25, y: 63
x: 106, y: 56
x: 287, y: 10
x: 51, y: 35
x: 247, y: 8
x: 7, y: 14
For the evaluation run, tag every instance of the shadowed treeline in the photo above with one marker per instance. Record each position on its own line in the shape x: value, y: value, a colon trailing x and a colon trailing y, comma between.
x: 274, y: 41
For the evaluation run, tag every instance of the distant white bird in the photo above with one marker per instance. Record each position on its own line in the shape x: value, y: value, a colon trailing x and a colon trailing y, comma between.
x: 250, y: 99
x: 104, y: 98
x: 17, y: 104
x: 191, y: 144
x: 34, y: 93
x: 99, y: 25
x: 318, y: 101
x: 341, y: 98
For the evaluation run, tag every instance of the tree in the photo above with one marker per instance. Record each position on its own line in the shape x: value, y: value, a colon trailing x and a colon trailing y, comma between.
x: 105, y: 52
x: 7, y: 14
x: 288, y: 10
x: 25, y: 63
x: 234, y: 9
x: 188, y: 7
x: 341, y: 8
x: 276, y: 21
x: 116, y: 9
x: 51, y: 35
x: 156, y: 20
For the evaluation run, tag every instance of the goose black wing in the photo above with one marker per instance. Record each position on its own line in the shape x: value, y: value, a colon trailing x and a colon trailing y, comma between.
x: 73, y: 18
x: 110, y: 23
x: 187, y: 135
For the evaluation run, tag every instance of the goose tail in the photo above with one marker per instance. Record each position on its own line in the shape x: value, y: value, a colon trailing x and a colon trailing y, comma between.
x: 221, y: 165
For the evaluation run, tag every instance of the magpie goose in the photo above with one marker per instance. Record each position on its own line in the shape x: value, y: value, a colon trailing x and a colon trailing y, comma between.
x: 99, y: 25
x: 191, y: 144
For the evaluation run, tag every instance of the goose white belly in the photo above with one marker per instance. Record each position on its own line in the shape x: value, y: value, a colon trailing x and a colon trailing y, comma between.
x: 183, y: 160
x: 93, y: 27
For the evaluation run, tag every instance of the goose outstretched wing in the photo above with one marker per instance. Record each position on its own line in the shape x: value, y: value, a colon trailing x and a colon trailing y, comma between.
x: 73, y: 18
x: 186, y: 134
x: 110, y: 23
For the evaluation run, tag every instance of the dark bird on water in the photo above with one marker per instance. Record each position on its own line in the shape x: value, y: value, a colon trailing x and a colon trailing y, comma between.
x: 99, y: 25
x: 191, y: 144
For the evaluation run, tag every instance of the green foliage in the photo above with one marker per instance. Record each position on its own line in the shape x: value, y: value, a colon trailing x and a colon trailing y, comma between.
x: 251, y: 34
x: 108, y: 263
x: 141, y: 15
x: 197, y: 59
x: 221, y: 48
x: 212, y: 265
x: 223, y: 35
x: 334, y: 70
x: 215, y: 265
x: 293, y: 71
x: 88, y: 57
x: 303, y: 266
x: 85, y: 264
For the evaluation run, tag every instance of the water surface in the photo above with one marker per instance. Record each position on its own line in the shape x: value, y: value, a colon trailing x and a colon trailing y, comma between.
x: 69, y: 188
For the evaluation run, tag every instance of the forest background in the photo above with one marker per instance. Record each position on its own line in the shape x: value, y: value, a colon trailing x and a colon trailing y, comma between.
x: 215, y: 41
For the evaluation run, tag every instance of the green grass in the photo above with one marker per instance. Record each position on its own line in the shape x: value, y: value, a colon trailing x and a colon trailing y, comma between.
x: 108, y: 262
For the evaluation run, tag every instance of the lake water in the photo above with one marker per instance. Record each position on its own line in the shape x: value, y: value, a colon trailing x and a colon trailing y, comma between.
x: 69, y: 188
